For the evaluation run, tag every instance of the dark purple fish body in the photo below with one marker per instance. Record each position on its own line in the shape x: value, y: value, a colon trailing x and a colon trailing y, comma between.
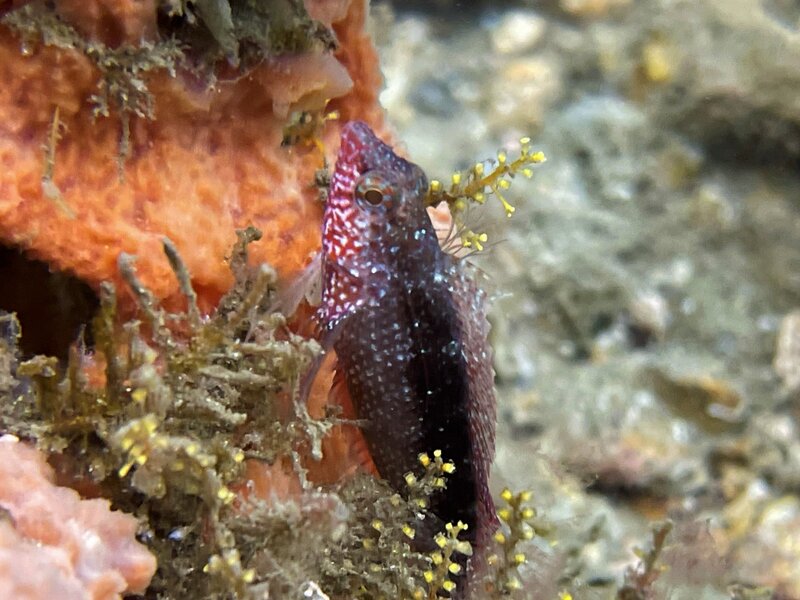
x: 409, y: 329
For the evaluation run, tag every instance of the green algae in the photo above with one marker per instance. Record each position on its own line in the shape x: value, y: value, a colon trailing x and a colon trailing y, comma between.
x: 165, y: 433
x: 245, y: 32
x: 192, y: 35
x: 123, y: 70
x: 168, y: 431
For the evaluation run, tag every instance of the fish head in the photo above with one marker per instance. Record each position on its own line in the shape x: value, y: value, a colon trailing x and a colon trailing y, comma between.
x: 376, y: 197
x: 374, y: 214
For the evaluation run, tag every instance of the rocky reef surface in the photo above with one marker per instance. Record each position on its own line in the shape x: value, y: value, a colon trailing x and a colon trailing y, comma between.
x: 647, y: 287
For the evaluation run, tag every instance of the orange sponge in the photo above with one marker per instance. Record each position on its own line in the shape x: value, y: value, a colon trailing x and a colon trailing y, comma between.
x: 210, y: 162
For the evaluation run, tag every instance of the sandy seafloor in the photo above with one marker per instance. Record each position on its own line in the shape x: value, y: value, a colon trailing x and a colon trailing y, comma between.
x: 646, y: 314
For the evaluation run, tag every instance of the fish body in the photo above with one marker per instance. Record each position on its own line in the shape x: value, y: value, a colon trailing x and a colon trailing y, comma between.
x: 409, y: 329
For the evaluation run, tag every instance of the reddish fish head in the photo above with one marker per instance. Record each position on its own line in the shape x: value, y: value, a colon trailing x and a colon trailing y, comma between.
x: 375, y: 195
x: 374, y: 214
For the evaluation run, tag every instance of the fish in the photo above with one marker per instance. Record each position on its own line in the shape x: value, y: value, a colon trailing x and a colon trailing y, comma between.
x: 408, y: 326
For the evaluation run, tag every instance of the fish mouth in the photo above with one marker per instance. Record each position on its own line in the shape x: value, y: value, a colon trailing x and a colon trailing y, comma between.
x: 358, y: 143
x: 358, y: 133
x: 361, y: 151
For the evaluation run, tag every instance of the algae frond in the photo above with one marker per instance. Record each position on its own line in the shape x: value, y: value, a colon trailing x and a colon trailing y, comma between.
x: 166, y: 429
x: 123, y: 70
x: 166, y: 413
x: 639, y: 580
x: 394, y: 549
x: 482, y: 180
x: 516, y: 527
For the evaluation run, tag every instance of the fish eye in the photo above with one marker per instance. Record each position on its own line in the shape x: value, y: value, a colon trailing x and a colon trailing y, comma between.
x: 372, y: 190
x: 374, y: 196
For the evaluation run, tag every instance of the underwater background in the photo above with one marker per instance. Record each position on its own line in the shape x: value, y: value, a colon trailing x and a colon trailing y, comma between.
x: 647, y: 288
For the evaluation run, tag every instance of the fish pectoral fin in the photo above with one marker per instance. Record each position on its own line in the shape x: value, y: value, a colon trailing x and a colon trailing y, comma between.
x: 326, y: 340
x: 358, y: 450
x: 305, y: 286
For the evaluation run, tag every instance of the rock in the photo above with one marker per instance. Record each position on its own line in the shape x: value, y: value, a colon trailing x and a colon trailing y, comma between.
x: 768, y: 552
x: 591, y: 8
x: 709, y: 70
x: 787, y: 352
x: 707, y: 401
x: 517, y: 32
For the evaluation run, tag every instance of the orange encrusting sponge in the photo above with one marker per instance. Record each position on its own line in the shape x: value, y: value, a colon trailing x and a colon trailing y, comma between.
x: 209, y: 163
